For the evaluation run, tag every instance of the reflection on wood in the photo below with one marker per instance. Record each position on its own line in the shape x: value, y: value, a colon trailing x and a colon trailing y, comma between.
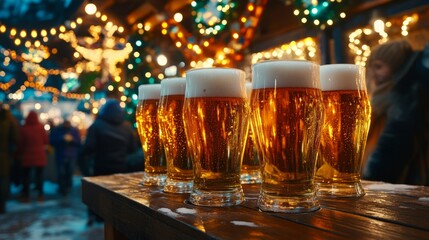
x: 386, y: 212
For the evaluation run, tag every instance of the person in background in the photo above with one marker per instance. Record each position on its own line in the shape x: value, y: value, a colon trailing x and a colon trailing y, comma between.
x: 32, y: 154
x: 398, y: 142
x: 109, y: 140
x: 9, y: 134
x: 66, y: 141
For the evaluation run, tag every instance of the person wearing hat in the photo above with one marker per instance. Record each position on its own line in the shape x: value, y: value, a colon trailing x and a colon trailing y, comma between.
x: 109, y: 140
x: 398, y: 140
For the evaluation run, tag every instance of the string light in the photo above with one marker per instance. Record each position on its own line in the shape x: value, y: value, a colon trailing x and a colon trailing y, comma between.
x: 305, y: 49
x: 321, y: 13
x: 90, y: 9
x: 359, y: 39
x: 39, y: 72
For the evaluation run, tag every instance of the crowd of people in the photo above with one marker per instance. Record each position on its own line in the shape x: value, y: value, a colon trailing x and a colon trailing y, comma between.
x: 397, y: 148
x: 111, y: 146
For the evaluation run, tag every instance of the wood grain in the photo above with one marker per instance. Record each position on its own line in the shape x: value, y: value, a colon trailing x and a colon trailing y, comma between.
x: 148, y: 213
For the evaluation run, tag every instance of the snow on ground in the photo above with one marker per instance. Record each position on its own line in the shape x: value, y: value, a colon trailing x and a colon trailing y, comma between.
x: 56, y: 218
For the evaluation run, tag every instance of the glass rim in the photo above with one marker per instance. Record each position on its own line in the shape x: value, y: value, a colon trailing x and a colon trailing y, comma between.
x: 343, y: 65
x: 285, y: 61
x: 213, y: 68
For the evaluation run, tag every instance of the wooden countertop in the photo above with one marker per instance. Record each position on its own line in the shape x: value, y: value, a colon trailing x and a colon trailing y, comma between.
x: 132, y: 211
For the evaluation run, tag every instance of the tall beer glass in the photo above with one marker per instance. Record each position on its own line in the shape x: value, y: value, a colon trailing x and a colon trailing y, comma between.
x: 287, y: 115
x: 345, y: 130
x: 250, y: 169
x: 179, y: 165
x: 148, y: 129
x: 216, y: 121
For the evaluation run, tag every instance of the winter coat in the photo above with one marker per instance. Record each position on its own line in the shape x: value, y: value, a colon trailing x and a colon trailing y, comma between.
x: 65, y: 149
x: 9, y: 134
x: 401, y: 154
x: 33, y: 142
x: 109, y: 139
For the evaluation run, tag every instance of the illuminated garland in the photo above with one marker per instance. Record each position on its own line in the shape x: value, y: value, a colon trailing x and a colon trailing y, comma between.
x: 36, y: 37
x: 361, y: 38
x: 207, y: 52
x: 305, y: 49
x: 321, y: 13
x: 212, y: 16
x: 6, y: 86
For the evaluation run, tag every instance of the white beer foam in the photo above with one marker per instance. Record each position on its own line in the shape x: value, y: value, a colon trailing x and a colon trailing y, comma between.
x: 342, y: 77
x: 215, y: 82
x: 149, y: 91
x: 280, y: 74
x: 173, y: 86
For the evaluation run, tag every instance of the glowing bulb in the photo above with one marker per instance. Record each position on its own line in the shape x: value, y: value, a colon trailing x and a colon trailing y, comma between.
x: 90, y: 8
x: 178, y: 17
x: 378, y: 25
x: 161, y: 60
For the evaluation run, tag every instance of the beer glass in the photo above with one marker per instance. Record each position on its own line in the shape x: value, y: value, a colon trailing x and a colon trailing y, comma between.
x: 287, y: 115
x: 250, y: 169
x: 215, y: 115
x: 345, y: 130
x: 147, y: 126
x: 179, y: 165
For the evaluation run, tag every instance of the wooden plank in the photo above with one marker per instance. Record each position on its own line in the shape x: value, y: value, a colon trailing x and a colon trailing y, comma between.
x: 140, y: 212
x: 347, y: 223
x: 389, y: 207
x: 143, y: 212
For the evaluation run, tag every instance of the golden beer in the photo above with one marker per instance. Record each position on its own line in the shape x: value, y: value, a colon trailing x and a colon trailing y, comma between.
x: 250, y: 169
x: 216, y: 130
x: 149, y: 132
x: 287, y: 115
x: 179, y: 164
x: 214, y: 126
x: 344, y: 134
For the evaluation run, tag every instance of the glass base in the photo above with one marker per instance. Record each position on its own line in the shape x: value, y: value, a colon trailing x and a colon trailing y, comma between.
x: 295, y: 204
x: 344, y: 189
x: 172, y: 186
x: 217, y: 198
x: 154, y: 179
x: 250, y: 177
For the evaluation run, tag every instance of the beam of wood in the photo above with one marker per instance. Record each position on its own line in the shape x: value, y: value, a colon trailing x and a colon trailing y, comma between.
x: 141, y: 12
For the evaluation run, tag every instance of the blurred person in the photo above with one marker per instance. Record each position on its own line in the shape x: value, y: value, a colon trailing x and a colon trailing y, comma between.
x: 398, y: 142
x: 50, y: 171
x: 9, y: 134
x: 32, y: 154
x: 66, y: 142
x: 109, y: 140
